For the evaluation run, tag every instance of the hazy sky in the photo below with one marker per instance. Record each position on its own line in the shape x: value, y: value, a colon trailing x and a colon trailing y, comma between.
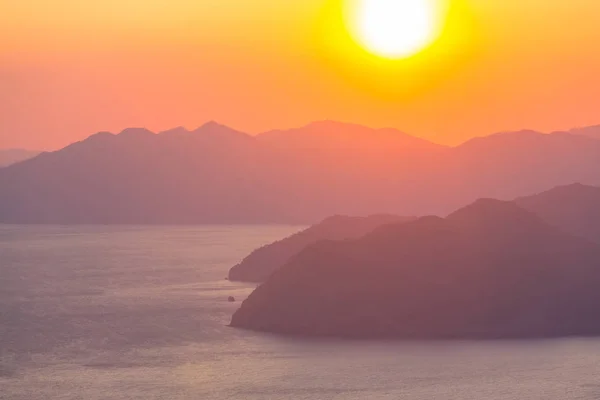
x: 69, y: 68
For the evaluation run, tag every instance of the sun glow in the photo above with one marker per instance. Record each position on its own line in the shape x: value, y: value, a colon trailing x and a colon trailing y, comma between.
x: 394, y: 28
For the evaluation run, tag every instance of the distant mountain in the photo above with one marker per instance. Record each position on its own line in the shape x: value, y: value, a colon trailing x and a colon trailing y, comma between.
x: 12, y: 156
x: 215, y: 174
x: 489, y: 270
x: 336, y: 136
x: 261, y: 263
x: 210, y: 175
x: 591, y: 131
x: 513, y: 164
x: 349, y: 169
x: 574, y: 208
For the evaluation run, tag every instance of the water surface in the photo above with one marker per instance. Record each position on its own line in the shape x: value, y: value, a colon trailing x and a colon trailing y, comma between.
x: 141, y: 313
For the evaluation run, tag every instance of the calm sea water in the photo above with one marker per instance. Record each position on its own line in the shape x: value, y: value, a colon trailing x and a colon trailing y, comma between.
x: 141, y: 313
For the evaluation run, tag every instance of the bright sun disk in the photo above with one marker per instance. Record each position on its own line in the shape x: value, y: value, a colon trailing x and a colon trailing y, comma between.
x: 394, y: 28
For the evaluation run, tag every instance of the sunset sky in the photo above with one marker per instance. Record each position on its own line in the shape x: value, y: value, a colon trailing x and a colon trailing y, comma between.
x: 69, y: 68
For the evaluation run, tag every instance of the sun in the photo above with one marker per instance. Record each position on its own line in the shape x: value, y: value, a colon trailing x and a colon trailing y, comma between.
x: 394, y: 29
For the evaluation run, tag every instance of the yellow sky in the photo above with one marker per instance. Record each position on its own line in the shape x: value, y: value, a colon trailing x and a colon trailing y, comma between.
x: 69, y: 68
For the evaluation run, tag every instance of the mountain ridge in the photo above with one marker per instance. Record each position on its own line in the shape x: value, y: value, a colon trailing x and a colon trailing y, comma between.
x: 216, y: 174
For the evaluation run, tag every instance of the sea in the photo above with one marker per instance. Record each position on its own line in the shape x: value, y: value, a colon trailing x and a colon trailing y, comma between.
x: 141, y: 312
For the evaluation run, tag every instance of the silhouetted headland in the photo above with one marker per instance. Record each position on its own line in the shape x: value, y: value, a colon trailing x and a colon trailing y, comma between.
x: 489, y: 270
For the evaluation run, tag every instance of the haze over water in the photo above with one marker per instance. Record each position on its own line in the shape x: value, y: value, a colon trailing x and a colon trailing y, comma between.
x: 141, y: 312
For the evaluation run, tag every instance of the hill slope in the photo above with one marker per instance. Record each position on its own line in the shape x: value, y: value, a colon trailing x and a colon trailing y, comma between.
x: 13, y: 156
x: 574, y: 208
x: 262, y: 262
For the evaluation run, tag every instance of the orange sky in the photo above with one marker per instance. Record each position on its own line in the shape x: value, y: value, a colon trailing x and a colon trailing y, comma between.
x: 69, y: 68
